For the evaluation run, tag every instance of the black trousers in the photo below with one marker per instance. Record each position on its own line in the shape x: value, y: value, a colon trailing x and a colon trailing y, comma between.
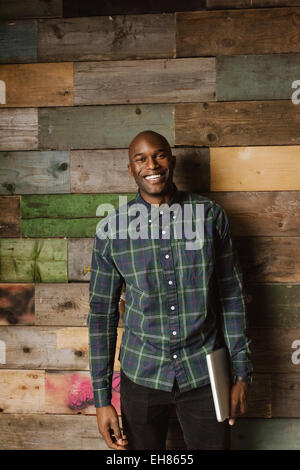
x: 145, y: 417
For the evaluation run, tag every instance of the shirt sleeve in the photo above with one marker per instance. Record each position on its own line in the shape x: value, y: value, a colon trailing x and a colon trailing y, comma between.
x: 231, y: 293
x: 103, y: 317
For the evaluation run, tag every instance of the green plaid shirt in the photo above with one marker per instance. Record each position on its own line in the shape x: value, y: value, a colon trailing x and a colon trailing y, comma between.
x: 180, y: 303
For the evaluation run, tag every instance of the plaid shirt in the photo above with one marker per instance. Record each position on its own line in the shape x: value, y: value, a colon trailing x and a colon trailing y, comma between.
x: 180, y: 304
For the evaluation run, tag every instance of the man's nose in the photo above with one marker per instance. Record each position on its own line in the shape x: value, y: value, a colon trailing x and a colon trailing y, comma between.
x: 152, y: 163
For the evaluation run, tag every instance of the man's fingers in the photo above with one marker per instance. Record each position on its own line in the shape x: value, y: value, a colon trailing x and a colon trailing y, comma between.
x: 112, y: 445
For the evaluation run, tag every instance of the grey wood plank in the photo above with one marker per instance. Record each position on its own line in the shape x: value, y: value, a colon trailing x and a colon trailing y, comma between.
x: 34, y: 172
x: 79, y: 258
x: 10, y: 9
x: 88, y: 127
x: 18, y: 129
x: 225, y: 4
x: 106, y: 38
x: 18, y: 41
x: 150, y: 81
x: 257, y: 77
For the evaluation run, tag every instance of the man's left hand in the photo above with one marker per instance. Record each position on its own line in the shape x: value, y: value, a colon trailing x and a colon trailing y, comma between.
x: 238, y: 401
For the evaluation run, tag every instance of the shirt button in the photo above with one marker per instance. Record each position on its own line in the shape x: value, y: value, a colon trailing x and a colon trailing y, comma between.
x: 167, y: 256
x: 161, y: 212
x: 174, y: 216
x: 170, y: 282
x: 172, y: 308
x: 174, y: 333
x: 174, y: 356
x: 163, y: 232
x: 149, y: 220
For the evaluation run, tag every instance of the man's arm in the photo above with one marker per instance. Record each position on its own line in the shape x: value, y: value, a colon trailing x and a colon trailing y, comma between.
x: 233, y: 314
x: 104, y: 294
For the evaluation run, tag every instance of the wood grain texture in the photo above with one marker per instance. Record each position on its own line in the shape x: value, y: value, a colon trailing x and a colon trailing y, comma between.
x: 285, y: 395
x: 18, y: 129
x: 237, y: 123
x: 10, y: 9
x: 261, y: 213
x: 88, y: 127
x: 35, y: 347
x: 257, y: 77
x: 272, y: 350
x: 106, y: 38
x: 17, y: 304
x: 33, y: 260
x: 269, y: 259
x: 50, y: 432
x: 130, y: 7
x: 106, y: 170
x: 18, y: 40
x: 265, y: 434
x: 10, y: 216
x: 234, y: 32
x: 34, y: 172
x: 151, y: 81
x: 223, y: 4
x: 30, y: 85
x: 22, y: 391
x: 273, y: 305
x: 80, y: 258
x: 265, y: 168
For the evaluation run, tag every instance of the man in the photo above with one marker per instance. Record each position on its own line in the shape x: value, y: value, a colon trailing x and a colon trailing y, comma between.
x: 182, y: 301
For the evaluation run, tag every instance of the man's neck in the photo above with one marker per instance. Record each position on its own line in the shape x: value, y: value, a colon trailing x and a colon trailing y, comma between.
x: 161, y: 199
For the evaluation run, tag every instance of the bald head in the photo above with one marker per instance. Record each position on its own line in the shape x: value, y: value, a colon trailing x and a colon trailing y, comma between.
x: 150, y: 137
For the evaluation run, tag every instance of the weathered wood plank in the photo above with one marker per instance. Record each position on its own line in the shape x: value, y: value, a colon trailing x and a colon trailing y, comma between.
x: 35, y: 347
x: 17, y: 304
x: 266, y: 434
x: 151, y: 81
x: 88, y: 127
x: 106, y: 38
x: 18, y: 129
x: 285, y: 395
x: 34, y: 172
x: 18, y: 41
x: 256, y: 77
x: 36, y: 228
x: 10, y: 9
x: 262, y: 213
x: 30, y: 85
x: 50, y: 432
x: 107, y: 169
x: 234, y: 32
x: 223, y: 4
x: 10, y: 216
x: 273, y: 305
x: 33, y: 260
x: 265, y: 168
x: 237, y: 123
x: 269, y: 259
x: 273, y: 351
x: 22, y: 391
x: 79, y: 258
x: 130, y: 7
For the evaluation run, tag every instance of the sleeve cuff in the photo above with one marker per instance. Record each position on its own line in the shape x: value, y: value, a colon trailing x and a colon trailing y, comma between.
x: 102, y: 397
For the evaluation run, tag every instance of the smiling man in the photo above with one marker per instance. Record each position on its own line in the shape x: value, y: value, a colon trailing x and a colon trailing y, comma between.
x: 180, y: 305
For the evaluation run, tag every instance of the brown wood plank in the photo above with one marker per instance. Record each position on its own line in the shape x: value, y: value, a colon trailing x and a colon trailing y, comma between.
x: 234, y: 32
x: 106, y: 38
x: 50, y: 432
x: 18, y: 129
x: 22, y: 391
x: 107, y: 169
x: 237, y: 123
x: 285, y: 395
x: 261, y: 213
x: 30, y: 85
x: 35, y: 347
x: 224, y: 4
x: 151, y: 81
x: 10, y: 9
x: 265, y: 168
x: 17, y: 304
x: 10, y: 216
x: 269, y: 259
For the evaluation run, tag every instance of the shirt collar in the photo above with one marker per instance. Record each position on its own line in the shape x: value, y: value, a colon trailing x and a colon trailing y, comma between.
x: 175, y: 197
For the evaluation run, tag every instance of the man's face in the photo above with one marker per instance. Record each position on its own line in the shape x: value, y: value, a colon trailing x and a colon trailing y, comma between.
x: 151, y: 164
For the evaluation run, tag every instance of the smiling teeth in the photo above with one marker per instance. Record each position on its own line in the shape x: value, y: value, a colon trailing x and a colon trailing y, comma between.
x: 152, y: 177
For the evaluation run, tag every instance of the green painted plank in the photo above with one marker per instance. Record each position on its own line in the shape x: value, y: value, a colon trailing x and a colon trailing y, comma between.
x: 18, y: 41
x: 88, y: 127
x: 266, y: 434
x: 257, y: 77
x: 30, y: 8
x: 272, y: 305
x: 69, y: 215
x: 34, y: 172
x: 33, y: 260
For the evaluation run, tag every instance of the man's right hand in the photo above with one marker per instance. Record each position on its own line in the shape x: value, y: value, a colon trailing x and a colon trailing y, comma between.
x: 108, y: 424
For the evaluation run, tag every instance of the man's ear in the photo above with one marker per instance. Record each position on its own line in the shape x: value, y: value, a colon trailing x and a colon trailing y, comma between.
x: 129, y: 169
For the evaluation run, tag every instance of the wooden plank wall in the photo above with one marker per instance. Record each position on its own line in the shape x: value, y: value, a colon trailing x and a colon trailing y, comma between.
x: 78, y: 80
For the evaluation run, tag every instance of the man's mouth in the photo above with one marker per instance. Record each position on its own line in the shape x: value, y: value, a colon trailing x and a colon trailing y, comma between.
x: 154, y: 178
